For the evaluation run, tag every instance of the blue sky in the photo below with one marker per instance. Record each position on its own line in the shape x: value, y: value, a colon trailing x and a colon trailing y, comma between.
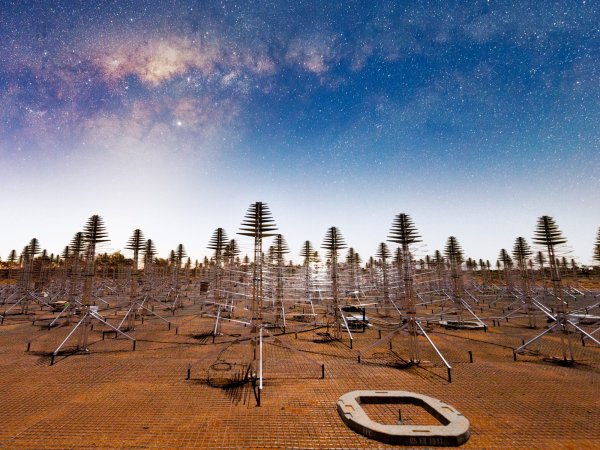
x: 473, y: 117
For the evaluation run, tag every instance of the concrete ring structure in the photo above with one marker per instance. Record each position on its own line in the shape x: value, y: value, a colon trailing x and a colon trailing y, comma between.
x: 453, y: 431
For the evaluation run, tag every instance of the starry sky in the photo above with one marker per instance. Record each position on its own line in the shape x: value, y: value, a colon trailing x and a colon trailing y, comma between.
x: 173, y: 116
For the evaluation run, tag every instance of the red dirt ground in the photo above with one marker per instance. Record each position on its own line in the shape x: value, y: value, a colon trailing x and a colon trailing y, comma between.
x: 117, y: 398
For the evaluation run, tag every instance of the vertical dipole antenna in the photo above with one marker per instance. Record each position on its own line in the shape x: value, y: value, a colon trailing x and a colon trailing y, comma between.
x: 596, y: 248
x: 549, y: 236
x: 136, y: 245
x: 351, y: 263
x: 218, y: 242
x: 180, y: 254
x: 454, y: 254
x: 521, y: 253
x: 507, y: 264
x: 94, y: 233
x: 404, y: 233
x: 29, y: 255
x: 11, y: 260
x: 77, y: 249
x: 307, y: 253
x: 258, y: 224
x: 438, y: 262
x: 149, y: 254
x: 383, y: 253
x: 230, y: 253
x: 280, y: 248
x: 333, y: 243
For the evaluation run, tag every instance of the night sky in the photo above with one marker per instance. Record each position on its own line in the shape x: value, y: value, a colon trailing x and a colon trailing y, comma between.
x: 475, y: 118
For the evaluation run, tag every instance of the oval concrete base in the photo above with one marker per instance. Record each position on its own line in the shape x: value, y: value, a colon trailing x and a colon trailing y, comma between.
x: 453, y: 431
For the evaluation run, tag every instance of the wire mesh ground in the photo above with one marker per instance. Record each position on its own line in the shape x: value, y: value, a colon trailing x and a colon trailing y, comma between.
x: 114, y: 397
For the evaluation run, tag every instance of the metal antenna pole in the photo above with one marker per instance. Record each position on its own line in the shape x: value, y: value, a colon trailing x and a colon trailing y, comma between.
x: 549, y: 236
x: 93, y: 234
x: 350, y: 259
x: 307, y: 253
x: 507, y: 264
x: 404, y: 232
x: 280, y: 248
x: 177, y: 257
x: 135, y: 244
x: 29, y: 273
x: 383, y: 253
x: 77, y: 248
x: 257, y: 286
x: 455, y: 258
x: 566, y: 347
x: 333, y: 243
x: 218, y: 243
x: 258, y: 223
x: 521, y: 252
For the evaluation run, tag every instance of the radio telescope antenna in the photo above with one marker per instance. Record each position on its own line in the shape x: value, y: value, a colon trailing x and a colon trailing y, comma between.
x: 333, y: 243
x: 548, y: 235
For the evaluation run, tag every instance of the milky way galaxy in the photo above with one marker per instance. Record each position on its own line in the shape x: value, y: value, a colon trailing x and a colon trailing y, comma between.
x: 173, y: 116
